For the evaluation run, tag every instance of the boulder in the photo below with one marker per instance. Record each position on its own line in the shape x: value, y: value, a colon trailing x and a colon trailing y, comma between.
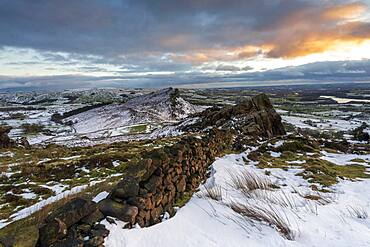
x: 69, y: 243
x: 16, y: 234
x: 73, y: 211
x: 92, y: 218
x: 128, y: 187
x: 99, y: 230
x: 96, y: 241
x: 57, y: 224
x: 122, y: 211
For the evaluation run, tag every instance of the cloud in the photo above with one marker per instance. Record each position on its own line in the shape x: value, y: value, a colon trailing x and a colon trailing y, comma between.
x: 321, y: 72
x: 131, y: 39
x: 224, y: 67
x: 121, y: 27
x: 317, y: 30
x: 232, y: 68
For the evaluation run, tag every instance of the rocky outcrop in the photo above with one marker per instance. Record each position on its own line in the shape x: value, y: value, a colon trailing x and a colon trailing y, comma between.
x: 254, y: 117
x: 5, y: 141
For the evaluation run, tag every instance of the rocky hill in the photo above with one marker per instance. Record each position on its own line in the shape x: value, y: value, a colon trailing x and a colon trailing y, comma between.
x: 157, y: 107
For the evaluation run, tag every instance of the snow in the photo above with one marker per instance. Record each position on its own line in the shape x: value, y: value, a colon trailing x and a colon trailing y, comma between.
x: 345, y: 100
x: 277, y: 144
x: 275, y: 154
x: 38, y: 206
x: 71, y: 157
x: 101, y: 196
x: 343, y: 159
x: 206, y: 222
x: 298, y: 162
x: 115, y: 163
x: 56, y: 188
x: 157, y: 107
x: 7, y: 154
x: 28, y: 195
x: 321, y: 124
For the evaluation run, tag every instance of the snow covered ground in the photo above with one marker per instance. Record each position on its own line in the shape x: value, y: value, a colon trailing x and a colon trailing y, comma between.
x: 322, y: 124
x: 157, y: 107
x: 338, y: 219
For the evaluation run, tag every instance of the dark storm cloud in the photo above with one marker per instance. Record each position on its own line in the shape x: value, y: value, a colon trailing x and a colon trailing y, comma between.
x: 113, y: 27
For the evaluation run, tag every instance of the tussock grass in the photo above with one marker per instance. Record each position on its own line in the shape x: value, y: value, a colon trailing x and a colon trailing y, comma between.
x: 268, y: 215
x: 248, y: 182
x: 214, y: 192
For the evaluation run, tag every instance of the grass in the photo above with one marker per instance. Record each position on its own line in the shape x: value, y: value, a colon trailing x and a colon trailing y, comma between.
x: 35, y: 167
x: 327, y: 173
x: 32, y: 128
x: 357, y: 160
x: 315, y: 170
x: 268, y: 215
x: 181, y: 201
x: 248, y: 182
x: 138, y: 129
x: 18, y: 115
x: 24, y: 232
x: 214, y: 192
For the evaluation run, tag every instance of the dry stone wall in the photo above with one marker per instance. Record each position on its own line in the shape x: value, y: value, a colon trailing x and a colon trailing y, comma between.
x: 162, y: 179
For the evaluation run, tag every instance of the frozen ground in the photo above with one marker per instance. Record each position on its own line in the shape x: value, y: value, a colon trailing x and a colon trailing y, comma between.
x: 207, y: 222
x: 321, y: 123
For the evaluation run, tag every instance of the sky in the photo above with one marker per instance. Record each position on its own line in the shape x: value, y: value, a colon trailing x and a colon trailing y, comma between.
x: 184, y: 43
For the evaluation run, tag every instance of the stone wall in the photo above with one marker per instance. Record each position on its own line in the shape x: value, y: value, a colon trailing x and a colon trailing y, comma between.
x: 163, y: 178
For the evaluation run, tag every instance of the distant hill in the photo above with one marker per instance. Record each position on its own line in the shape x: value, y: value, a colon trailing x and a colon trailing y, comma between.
x: 161, y: 106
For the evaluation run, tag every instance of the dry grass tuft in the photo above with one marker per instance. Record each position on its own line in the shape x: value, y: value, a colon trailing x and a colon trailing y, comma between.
x: 320, y: 198
x: 267, y: 215
x: 214, y: 192
x: 247, y: 182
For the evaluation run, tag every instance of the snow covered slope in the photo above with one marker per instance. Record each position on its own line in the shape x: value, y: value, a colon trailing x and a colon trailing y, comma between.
x: 158, y: 107
x: 204, y: 221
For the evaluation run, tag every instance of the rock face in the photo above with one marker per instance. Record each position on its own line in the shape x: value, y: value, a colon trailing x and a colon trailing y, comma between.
x: 5, y: 141
x: 251, y: 117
